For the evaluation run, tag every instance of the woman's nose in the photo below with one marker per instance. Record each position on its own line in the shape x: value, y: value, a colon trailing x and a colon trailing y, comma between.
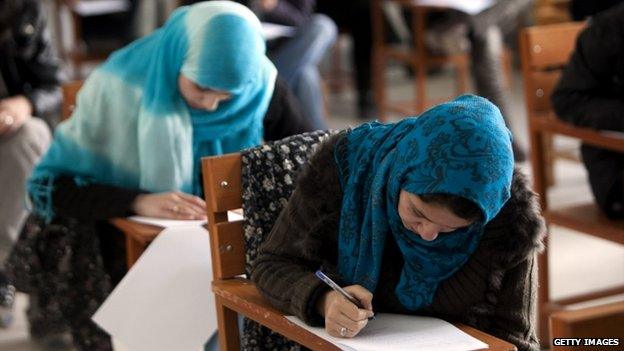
x: 210, y: 102
x: 428, y: 231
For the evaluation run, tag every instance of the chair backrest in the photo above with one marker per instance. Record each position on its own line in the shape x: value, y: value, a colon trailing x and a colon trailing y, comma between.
x: 223, y: 192
x: 545, y: 50
x: 69, y: 91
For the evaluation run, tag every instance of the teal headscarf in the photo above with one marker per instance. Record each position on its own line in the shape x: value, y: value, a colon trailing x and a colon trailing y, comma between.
x: 132, y: 128
x: 460, y: 148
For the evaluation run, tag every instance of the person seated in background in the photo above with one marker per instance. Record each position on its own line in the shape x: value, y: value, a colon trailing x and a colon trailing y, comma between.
x: 30, y: 99
x: 426, y: 215
x: 355, y: 17
x: 590, y: 94
x: 199, y: 86
x: 484, y: 32
x: 297, y: 58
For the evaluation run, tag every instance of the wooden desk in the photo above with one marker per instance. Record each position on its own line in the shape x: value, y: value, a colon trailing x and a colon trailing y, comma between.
x: 242, y: 296
x: 138, y: 236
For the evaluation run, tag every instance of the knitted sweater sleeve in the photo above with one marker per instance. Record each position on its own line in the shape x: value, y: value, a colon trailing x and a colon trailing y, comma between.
x: 303, y: 240
x: 514, y: 315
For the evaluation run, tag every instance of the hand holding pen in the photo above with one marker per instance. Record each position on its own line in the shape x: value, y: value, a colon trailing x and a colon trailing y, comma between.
x: 346, y: 310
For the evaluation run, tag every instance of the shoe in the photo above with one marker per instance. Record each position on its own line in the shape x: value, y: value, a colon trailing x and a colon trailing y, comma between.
x: 7, y: 298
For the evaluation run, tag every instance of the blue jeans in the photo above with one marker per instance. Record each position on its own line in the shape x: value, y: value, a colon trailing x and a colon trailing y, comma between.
x: 297, y: 60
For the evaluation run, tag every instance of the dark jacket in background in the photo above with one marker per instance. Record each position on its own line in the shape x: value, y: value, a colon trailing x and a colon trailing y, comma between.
x: 28, y: 63
x: 495, y: 291
x: 581, y: 9
x: 591, y: 94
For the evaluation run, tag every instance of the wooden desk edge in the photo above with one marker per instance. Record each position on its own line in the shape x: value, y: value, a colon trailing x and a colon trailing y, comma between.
x: 494, y: 343
x: 141, y: 232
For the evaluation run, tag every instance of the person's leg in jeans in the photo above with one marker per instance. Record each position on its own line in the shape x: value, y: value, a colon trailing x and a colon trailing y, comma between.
x: 297, y: 61
x: 19, y: 151
x: 486, y: 39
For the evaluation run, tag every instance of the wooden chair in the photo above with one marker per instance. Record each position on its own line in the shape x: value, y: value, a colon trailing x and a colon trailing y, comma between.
x: 603, y: 321
x: 417, y: 57
x: 69, y: 91
x: 544, y: 52
x: 234, y: 293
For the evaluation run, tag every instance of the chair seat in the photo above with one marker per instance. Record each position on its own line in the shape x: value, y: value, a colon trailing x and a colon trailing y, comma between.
x: 242, y: 296
x: 587, y: 218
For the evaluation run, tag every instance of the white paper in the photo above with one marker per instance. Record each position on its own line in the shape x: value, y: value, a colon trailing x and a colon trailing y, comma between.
x: 165, y: 302
x: 101, y: 7
x: 402, y: 332
x: 274, y: 31
x: 176, y: 223
x: 471, y: 7
x: 167, y: 223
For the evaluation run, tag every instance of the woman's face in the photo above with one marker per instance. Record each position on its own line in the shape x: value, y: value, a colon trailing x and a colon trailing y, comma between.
x: 200, y: 98
x: 427, y: 220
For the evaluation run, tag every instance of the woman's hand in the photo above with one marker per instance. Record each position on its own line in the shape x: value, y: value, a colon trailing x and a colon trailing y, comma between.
x: 174, y: 205
x: 14, y: 111
x: 343, y: 319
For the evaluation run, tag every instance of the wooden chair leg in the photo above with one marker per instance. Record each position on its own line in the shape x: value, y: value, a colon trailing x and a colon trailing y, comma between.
x: 420, y: 62
x: 227, y: 321
x: 379, y: 60
x: 461, y: 75
x: 506, y: 62
x: 549, y: 163
x: 134, y: 249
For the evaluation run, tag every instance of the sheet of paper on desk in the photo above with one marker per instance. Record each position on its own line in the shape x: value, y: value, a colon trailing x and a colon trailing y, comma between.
x: 471, y: 7
x: 401, y: 332
x: 174, y: 223
x: 165, y: 301
x: 167, y: 223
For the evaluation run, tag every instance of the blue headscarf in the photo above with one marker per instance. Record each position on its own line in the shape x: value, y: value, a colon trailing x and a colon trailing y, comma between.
x: 131, y: 126
x: 459, y: 148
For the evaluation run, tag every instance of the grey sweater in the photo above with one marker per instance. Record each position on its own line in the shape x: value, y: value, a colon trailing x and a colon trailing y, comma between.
x: 495, y: 291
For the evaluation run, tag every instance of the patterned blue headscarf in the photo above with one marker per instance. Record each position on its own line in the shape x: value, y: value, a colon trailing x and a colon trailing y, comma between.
x: 459, y: 148
x: 132, y: 128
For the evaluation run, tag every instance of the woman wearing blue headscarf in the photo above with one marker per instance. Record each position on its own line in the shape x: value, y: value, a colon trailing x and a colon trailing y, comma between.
x: 199, y: 86
x: 423, y: 216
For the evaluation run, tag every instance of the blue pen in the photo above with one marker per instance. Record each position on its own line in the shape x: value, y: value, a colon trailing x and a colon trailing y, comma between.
x: 332, y: 284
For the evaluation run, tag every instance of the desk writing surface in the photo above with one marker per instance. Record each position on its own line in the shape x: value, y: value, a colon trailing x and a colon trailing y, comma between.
x: 402, y: 332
